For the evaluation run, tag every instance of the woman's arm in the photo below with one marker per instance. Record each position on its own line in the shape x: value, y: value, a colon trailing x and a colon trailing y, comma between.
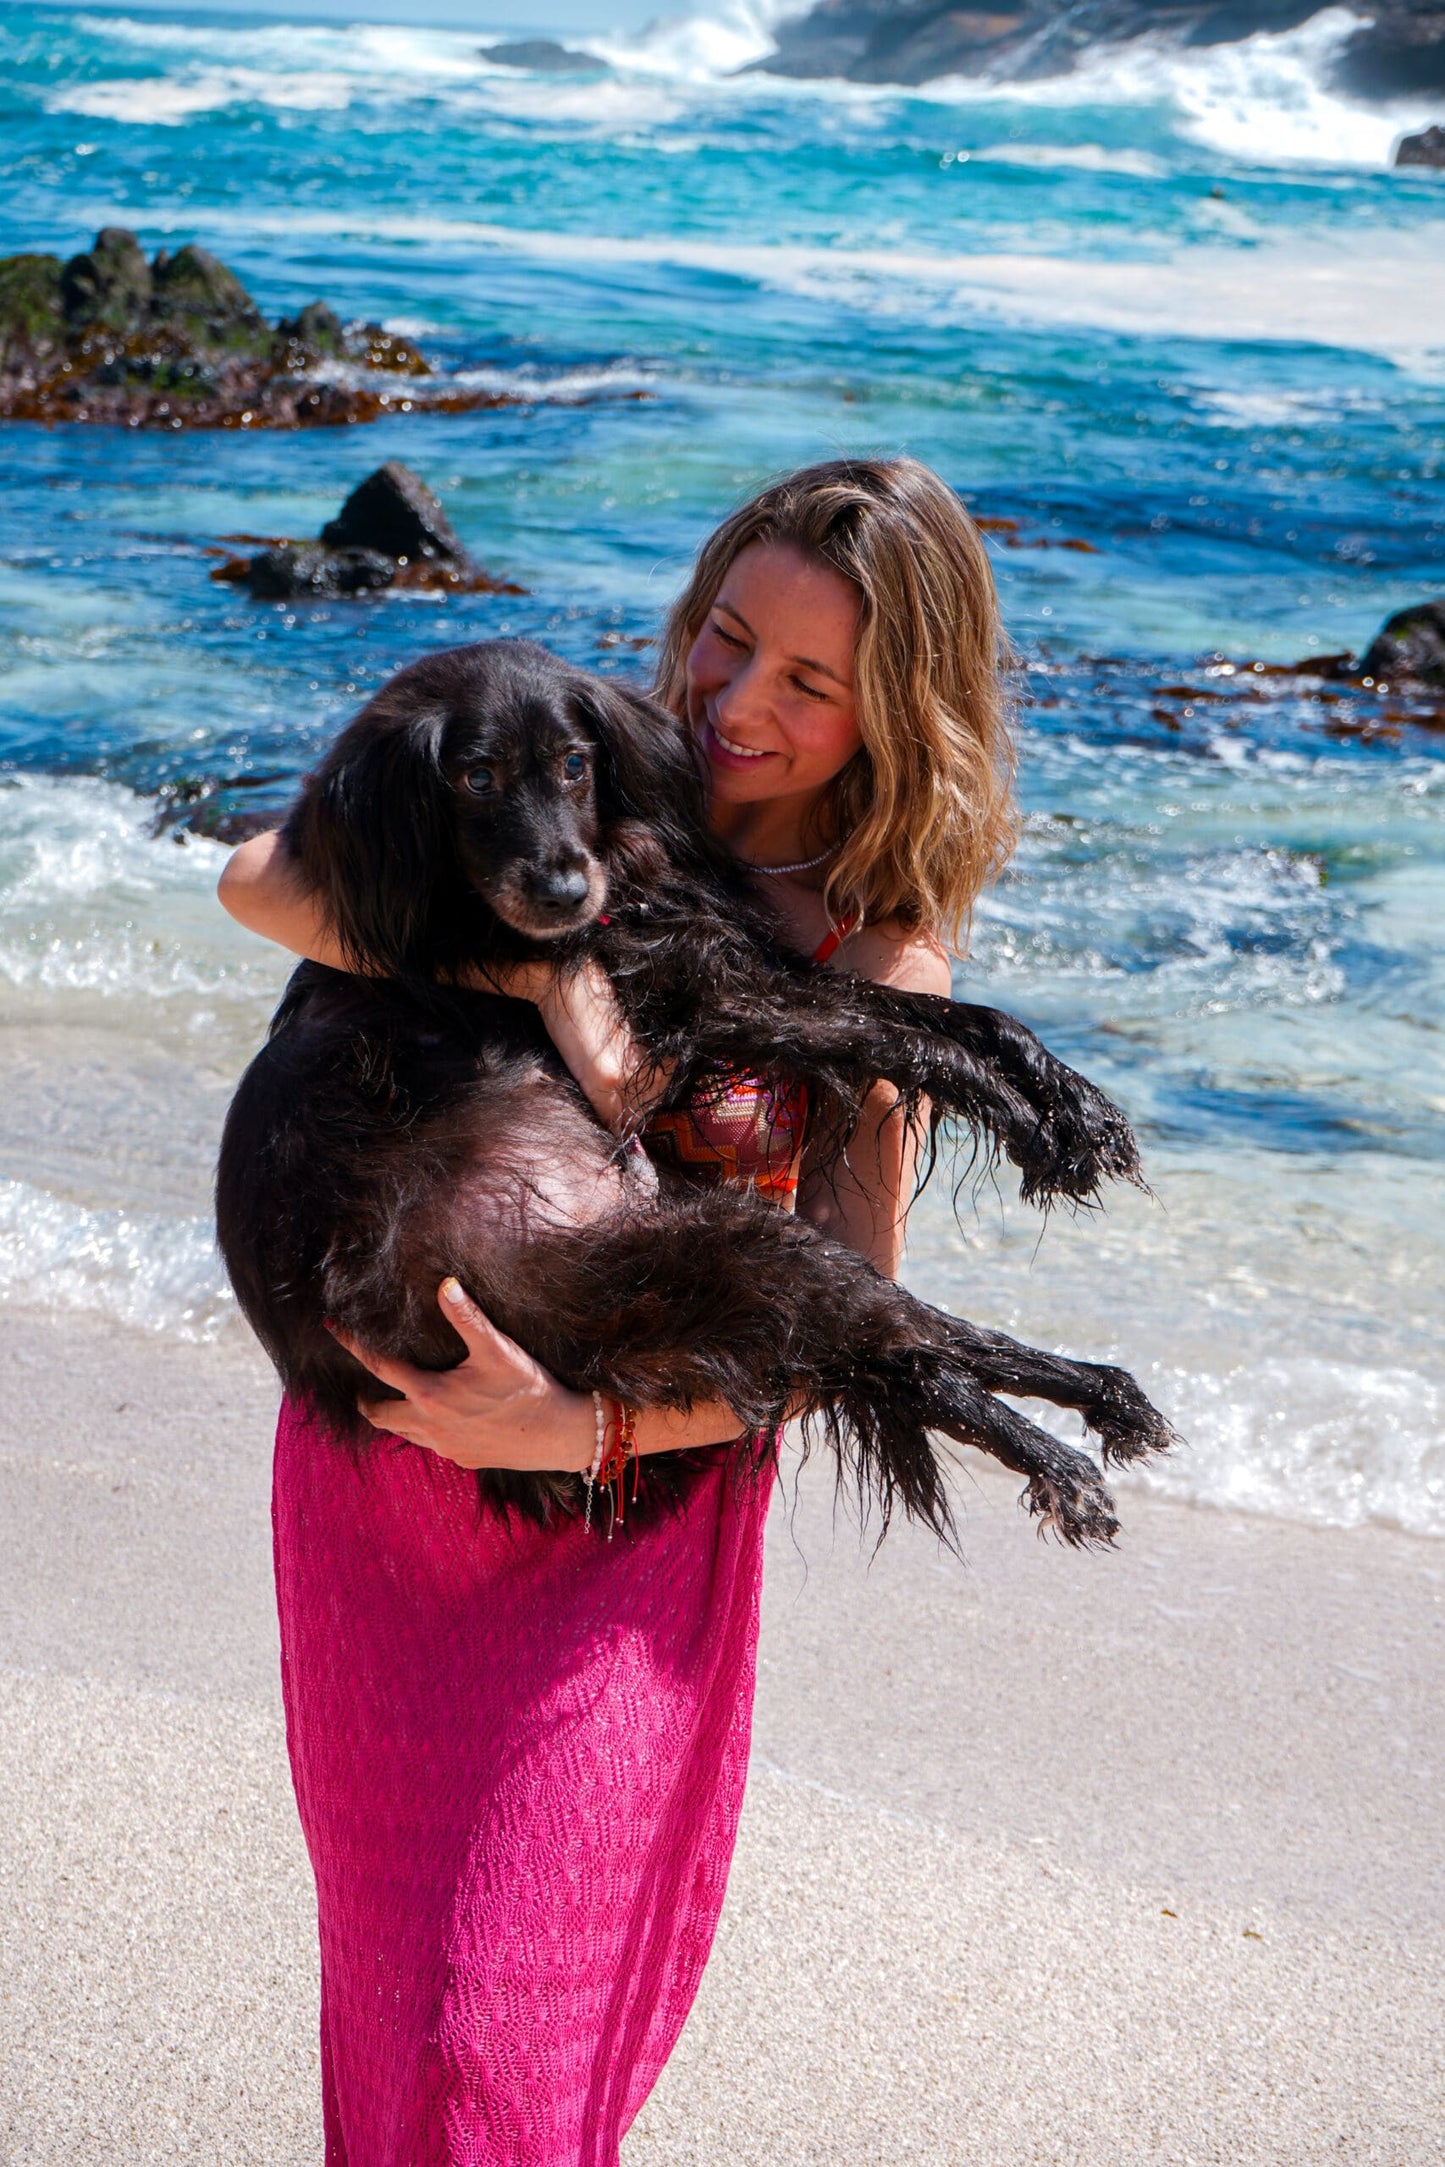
x: 863, y: 1197
x: 263, y: 890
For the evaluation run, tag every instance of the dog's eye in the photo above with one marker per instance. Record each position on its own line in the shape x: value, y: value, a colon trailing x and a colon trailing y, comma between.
x: 479, y: 780
x: 574, y: 767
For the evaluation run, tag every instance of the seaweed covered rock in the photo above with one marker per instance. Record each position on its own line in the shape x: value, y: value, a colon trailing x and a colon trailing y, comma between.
x: 33, y: 328
x: 108, y: 287
x: 178, y: 342
x: 195, y: 294
x: 390, y: 532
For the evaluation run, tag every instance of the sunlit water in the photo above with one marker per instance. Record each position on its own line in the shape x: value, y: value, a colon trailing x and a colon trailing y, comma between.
x: 1175, y: 309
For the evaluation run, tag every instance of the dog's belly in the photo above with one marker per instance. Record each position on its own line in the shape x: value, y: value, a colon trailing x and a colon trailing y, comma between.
x: 526, y: 1161
x: 543, y: 1163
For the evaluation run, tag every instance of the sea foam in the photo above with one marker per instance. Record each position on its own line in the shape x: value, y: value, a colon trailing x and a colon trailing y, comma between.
x: 1371, y: 290
x: 1306, y: 1438
x: 149, y: 1270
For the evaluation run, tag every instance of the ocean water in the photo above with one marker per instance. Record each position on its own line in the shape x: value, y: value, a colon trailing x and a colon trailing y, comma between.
x: 1176, y: 309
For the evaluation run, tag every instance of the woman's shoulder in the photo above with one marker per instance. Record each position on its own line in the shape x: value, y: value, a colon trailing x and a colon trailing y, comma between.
x: 898, y: 955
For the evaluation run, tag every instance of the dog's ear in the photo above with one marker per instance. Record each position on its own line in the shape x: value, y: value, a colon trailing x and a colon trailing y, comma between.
x: 647, y: 772
x: 374, y: 835
x: 644, y: 761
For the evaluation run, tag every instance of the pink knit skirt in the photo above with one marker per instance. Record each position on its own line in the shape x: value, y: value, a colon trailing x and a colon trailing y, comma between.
x: 519, y: 1758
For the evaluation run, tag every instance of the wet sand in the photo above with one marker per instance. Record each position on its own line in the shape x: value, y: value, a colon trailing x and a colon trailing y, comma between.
x: 1045, y: 1859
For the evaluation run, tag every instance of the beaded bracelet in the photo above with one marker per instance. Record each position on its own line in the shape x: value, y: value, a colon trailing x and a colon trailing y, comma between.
x: 616, y: 1445
x: 599, y: 1409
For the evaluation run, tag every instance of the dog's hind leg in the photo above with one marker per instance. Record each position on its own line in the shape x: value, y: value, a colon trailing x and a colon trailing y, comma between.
x: 717, y: 1298
x: 1126, y: 1423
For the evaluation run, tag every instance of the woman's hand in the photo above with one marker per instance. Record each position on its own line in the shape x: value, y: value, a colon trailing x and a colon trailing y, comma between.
x: 498, y: 1409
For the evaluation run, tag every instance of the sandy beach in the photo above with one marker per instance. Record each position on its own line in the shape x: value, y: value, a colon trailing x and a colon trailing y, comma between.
x: 1045, y: 1859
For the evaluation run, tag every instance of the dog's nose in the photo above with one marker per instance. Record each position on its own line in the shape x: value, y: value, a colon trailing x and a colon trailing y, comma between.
x: 560, y: 889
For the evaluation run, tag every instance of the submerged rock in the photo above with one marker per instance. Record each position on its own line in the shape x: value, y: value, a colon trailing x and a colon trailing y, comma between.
x: 1425, y: 149
x: 1399, y: 49
x: 390, y: 532
x: 179, y: 342
x: 542, y: 56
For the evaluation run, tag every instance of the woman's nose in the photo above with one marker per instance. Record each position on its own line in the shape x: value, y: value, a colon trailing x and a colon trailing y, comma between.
x: 743, y: 698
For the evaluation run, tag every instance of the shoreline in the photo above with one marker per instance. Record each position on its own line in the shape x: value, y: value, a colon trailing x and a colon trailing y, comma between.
x: 1012, y: 1829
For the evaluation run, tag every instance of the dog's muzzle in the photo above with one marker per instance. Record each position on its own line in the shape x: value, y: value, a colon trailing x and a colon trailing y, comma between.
x: 549, y: 900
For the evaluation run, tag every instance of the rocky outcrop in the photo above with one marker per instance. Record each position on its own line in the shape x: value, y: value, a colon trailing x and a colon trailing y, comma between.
x: 541, y: 56
x: 1398, y: 49
x: 391, y: 532
x: 1425, y: 149
x: 178, y: 342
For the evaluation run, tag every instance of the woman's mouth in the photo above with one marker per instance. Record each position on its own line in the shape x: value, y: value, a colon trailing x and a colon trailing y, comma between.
x: 725, y: 751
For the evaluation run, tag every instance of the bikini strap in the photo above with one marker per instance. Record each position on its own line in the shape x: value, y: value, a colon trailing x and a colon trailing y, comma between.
x: 834, y: 938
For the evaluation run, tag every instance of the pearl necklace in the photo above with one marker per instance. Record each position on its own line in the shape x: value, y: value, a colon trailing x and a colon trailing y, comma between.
x: 804, y: 865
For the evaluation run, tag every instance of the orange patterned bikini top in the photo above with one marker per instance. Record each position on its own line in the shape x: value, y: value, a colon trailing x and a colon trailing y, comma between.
x: 748, y: 1133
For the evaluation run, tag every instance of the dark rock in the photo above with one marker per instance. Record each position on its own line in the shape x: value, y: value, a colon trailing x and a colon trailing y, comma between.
x: 1400, y: 53
x: 394, y: 512
x: 1409, y: 647
x: 543, y: 56
x: 196, y: 293
x: 109, y: 286
x: 311, y: 569
x: 314, y: 334
x: 1399, y: 49
x: 1426, y: 149
x: 32, y: 322
x: 391, y: 532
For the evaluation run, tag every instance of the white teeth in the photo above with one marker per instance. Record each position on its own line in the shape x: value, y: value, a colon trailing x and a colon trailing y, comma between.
x: 744, y: 752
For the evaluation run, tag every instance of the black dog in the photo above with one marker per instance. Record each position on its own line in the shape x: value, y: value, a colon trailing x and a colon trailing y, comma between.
x: 490, y: 803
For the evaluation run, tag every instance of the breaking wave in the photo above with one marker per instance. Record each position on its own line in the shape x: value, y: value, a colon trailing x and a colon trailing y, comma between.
x: 154, y: 1272
x: 1264, y: 101
x: 1371, y: 290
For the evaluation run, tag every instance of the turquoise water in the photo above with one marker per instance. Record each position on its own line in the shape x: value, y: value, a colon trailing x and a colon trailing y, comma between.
x: 1176, y: 310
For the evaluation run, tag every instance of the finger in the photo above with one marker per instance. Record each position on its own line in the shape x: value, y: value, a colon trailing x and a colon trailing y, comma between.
x: 399, y: 1375
x: 485, y: 1344
x: 390, y: 1415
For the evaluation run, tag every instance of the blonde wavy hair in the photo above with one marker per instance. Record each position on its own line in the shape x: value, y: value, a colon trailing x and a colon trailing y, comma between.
x: 924, y: 812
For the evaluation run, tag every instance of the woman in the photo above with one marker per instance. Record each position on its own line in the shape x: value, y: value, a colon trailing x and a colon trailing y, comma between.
x: 519, y: 1753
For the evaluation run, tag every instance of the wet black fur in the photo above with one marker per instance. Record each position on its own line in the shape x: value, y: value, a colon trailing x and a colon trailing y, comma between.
x: 392, y: 1132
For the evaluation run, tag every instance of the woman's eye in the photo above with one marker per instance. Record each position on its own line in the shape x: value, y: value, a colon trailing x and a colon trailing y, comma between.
x: 574, y: 767
x: 729, y: 639
x: 812, y: 691
x: 479, y: 780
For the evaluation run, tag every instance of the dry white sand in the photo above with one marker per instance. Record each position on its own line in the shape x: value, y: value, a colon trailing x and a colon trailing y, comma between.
x: 1047, y: 1859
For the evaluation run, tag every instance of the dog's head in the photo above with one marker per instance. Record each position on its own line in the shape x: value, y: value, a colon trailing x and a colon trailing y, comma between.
x: 489, y: 798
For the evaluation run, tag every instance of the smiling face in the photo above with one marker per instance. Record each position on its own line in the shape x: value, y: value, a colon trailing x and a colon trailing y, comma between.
x: 770, y: 679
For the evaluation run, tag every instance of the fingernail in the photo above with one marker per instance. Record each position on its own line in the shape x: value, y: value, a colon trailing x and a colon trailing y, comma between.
x: 453, y: 1292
